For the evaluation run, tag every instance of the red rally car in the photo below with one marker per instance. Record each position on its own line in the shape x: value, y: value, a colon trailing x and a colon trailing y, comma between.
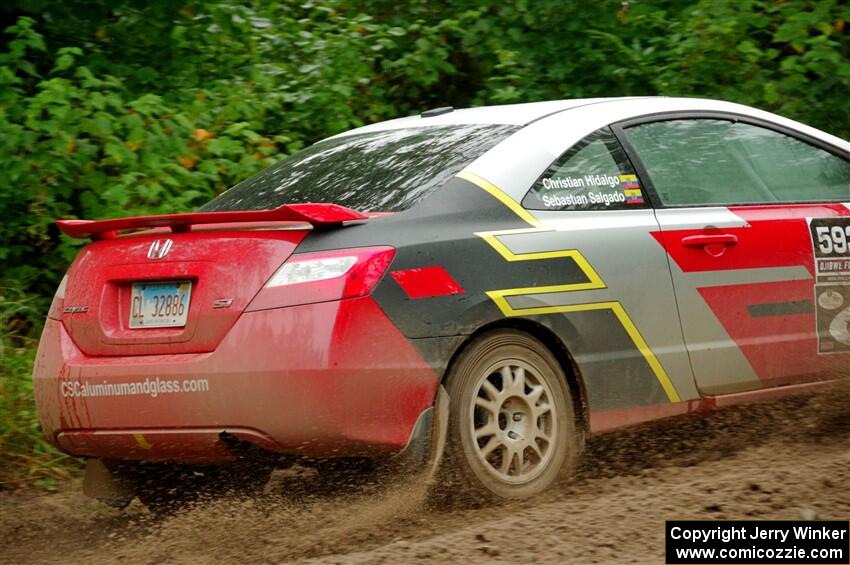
x: 476, y: 290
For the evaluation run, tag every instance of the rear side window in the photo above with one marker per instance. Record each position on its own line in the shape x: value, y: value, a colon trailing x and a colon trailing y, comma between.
x: 593, y: 174
x: 719, y: 162
x: 386, y: 171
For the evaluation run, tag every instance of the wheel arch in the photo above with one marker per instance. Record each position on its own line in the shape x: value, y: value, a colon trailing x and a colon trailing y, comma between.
x: 553, y: 343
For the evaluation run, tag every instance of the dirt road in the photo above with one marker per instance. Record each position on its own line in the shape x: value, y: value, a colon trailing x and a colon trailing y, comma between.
x: 782, y: 460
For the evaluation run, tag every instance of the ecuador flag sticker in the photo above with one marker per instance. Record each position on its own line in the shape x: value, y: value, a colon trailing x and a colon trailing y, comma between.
x: 631, y: 189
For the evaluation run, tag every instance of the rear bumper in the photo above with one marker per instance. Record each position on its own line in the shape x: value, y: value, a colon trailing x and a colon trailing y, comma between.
x: 321, y: 380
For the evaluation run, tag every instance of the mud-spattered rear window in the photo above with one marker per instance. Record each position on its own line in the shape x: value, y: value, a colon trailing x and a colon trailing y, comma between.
x: 382, y: 171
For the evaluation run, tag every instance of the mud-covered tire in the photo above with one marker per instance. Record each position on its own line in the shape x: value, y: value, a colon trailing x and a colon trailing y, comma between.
x: 515, y: 435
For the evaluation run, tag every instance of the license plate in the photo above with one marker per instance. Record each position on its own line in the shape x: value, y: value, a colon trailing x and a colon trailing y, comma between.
x: 160, y: 304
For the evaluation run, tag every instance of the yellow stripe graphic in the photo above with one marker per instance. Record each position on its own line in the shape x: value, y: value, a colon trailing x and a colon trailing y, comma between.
x: 142, y: 441
x: 501, y: 197
x: 594, y: 281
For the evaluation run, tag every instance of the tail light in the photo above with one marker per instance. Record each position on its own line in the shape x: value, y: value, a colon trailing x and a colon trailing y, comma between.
x: 58, y: 303
x: 323, y: 276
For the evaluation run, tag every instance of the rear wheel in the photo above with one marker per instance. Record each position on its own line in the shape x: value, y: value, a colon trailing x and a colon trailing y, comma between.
x: 512, y: 425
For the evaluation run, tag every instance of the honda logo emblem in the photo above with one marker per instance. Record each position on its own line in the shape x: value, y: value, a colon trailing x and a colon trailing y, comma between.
x: 159, y: 248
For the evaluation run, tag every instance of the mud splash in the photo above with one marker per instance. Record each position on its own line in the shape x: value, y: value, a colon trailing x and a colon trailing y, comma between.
x: 788, y: 459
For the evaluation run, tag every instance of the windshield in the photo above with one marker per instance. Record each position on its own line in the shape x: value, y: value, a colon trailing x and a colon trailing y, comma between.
x: 383, y: 171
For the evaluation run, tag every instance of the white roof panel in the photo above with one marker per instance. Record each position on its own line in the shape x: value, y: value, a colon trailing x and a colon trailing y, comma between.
x: 508, y: 114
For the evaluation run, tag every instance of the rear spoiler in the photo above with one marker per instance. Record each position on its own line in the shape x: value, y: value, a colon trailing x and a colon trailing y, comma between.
x: 317, y: 215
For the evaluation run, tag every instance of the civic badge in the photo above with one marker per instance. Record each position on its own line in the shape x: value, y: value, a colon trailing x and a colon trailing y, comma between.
x: 159, y: 248
x: 75, y: 309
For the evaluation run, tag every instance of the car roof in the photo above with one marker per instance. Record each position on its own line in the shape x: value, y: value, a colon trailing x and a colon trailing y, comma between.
x: 505, y: 114
x: 546, y: 129
x: 517, y: 161
x: 527, y: 113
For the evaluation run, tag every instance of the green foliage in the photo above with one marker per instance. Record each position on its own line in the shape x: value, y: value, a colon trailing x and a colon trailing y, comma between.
x: 120, y: 107
x: 25, y: 458
x: 788, y: 57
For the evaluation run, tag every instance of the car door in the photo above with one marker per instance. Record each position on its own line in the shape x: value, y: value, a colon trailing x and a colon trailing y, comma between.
x: 629, y: 345
x: 756, y: 220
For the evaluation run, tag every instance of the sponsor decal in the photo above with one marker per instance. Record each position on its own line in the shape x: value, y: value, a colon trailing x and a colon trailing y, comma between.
x: 586, y: 181
x: 631, y: 189
x: 831, y: 250
x: 592, y: 190
x: 148, y: 387
x: 605, y: 198
x: 633, y: 196
x: 629, y: 182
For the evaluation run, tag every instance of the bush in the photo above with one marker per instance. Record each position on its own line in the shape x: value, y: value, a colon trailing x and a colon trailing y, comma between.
x: 25, y: 458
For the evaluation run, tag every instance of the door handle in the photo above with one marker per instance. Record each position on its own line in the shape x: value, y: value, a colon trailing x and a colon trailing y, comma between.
x: 713, y: 239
